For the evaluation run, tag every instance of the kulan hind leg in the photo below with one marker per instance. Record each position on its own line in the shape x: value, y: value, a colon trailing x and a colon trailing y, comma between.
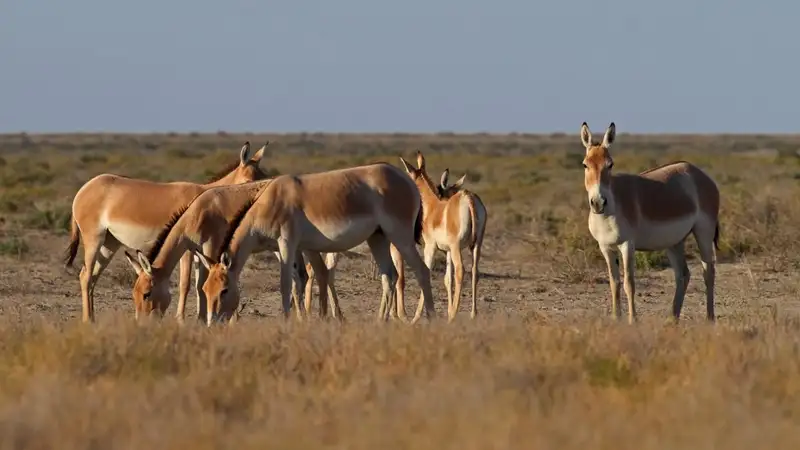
x: 97, y: 254
x: 407, y: 247
x: 379, y: 246
x: 400, y: 285
x: 677, y: 259
x: 708, y: 258
x: 321, y: 270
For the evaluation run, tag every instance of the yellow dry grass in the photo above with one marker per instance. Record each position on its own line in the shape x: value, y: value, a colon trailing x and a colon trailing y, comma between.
x: 498, y: 383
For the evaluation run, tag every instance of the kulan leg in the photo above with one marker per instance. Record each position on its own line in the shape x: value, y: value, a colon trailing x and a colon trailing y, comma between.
x: 613, y: 279
x: 448, y: 280
x: 428, y: 251
x: 379, y: 246
x: 408, y: 250
x: 97, y: 254
x: 287, y: 260
x: 476, y: 257
x: 309, y: 286
x: 200, y: 276
x: 400, y: 285
x: 331, y: 261
x: 677, y: 259
x: 629, y: 266
x: 301, y: 278
x: 708, y: 259
x: 321, y: 270
x: 184, y: 281
x: 458, y: 271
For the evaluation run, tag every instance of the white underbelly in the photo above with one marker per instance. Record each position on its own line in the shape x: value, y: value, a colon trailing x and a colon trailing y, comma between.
x: 662, y: 235
x: 133, y: 235
x: 336, y: 236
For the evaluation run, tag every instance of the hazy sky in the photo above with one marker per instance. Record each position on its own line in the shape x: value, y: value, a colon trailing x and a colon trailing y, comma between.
x: 409, y: 65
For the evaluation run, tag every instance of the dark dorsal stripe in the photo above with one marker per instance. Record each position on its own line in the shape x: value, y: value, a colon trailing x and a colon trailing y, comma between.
x: 162, y: 236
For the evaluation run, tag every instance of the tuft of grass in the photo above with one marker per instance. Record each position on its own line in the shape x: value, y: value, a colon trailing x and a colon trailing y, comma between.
x: 13, y: 246
x: 613, y: 372
x: 652, y: 260
x: 54, y: 218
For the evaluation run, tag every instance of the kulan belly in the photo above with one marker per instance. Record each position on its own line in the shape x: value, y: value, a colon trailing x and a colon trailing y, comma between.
x: 132, y: 235
x: 337, y: 236
x: 662, y: 235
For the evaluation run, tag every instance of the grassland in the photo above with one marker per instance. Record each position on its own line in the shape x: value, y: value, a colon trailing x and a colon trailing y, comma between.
x: 542, y: 367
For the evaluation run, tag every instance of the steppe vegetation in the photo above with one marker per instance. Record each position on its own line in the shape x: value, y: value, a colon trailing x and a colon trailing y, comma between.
x: 542, y: 367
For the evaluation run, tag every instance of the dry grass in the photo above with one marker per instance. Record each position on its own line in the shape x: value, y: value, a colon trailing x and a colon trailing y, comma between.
x: 542, y: 367
x: 495, y: 384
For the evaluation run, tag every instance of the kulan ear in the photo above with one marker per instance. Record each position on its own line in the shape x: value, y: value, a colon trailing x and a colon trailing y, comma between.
x: 611, y: 133
x: 420, y: 160
x: 445, y: 175
x: 203, y: 260
x: 409, y: 168
x: 460, y: 181
x: 132, y: 260
x: 244, y: 153
x: 144, y: 263
x: 256, y: 158
x: 586, y: 135
x: 225, y: 259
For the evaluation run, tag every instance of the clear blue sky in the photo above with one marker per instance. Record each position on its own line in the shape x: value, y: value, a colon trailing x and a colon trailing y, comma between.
x: 410, y: 65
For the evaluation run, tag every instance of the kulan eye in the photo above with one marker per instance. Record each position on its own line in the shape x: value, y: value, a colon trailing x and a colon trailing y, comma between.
x: 224, y: 291
x: 610, y: 164
x: 585, y: 166
x: 146, y: 296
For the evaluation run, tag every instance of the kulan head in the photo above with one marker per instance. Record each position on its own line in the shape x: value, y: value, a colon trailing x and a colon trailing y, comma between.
x: 248, y: 169
x: 444, y: 191
x: 148, y: 296
x: 597, y: 166
x: 418, y: 174
x: 222, y: 294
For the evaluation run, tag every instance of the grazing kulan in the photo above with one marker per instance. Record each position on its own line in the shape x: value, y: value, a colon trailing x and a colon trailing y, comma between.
x: 201, y: 228
x: 450, y: 224
x: 110, y: 211
x: 329, y: 211
x: 654, y: 210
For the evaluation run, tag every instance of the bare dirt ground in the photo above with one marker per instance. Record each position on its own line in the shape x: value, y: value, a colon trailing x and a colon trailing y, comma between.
x: 513, y: 280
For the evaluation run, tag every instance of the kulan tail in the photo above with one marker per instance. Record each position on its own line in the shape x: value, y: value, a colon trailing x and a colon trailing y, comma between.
x: 473, y: 222
x: 418, y: 226
x: 716, y: 237
x: 74, y: 242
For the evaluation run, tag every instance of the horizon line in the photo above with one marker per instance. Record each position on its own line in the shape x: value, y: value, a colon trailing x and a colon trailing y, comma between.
x: 386, y: 133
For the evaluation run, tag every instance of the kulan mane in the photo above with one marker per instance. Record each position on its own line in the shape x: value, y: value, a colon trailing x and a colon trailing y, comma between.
x: 237, y: 220
x: 162, y: 236
x: 222, y: 173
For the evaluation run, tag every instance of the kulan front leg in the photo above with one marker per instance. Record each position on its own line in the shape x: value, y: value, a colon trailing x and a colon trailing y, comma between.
x: 184, y: 282
x: 613, y: 279
x: 629, y: 266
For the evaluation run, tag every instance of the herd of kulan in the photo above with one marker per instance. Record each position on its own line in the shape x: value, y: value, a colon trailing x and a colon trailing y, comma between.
x: 315, y: 217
